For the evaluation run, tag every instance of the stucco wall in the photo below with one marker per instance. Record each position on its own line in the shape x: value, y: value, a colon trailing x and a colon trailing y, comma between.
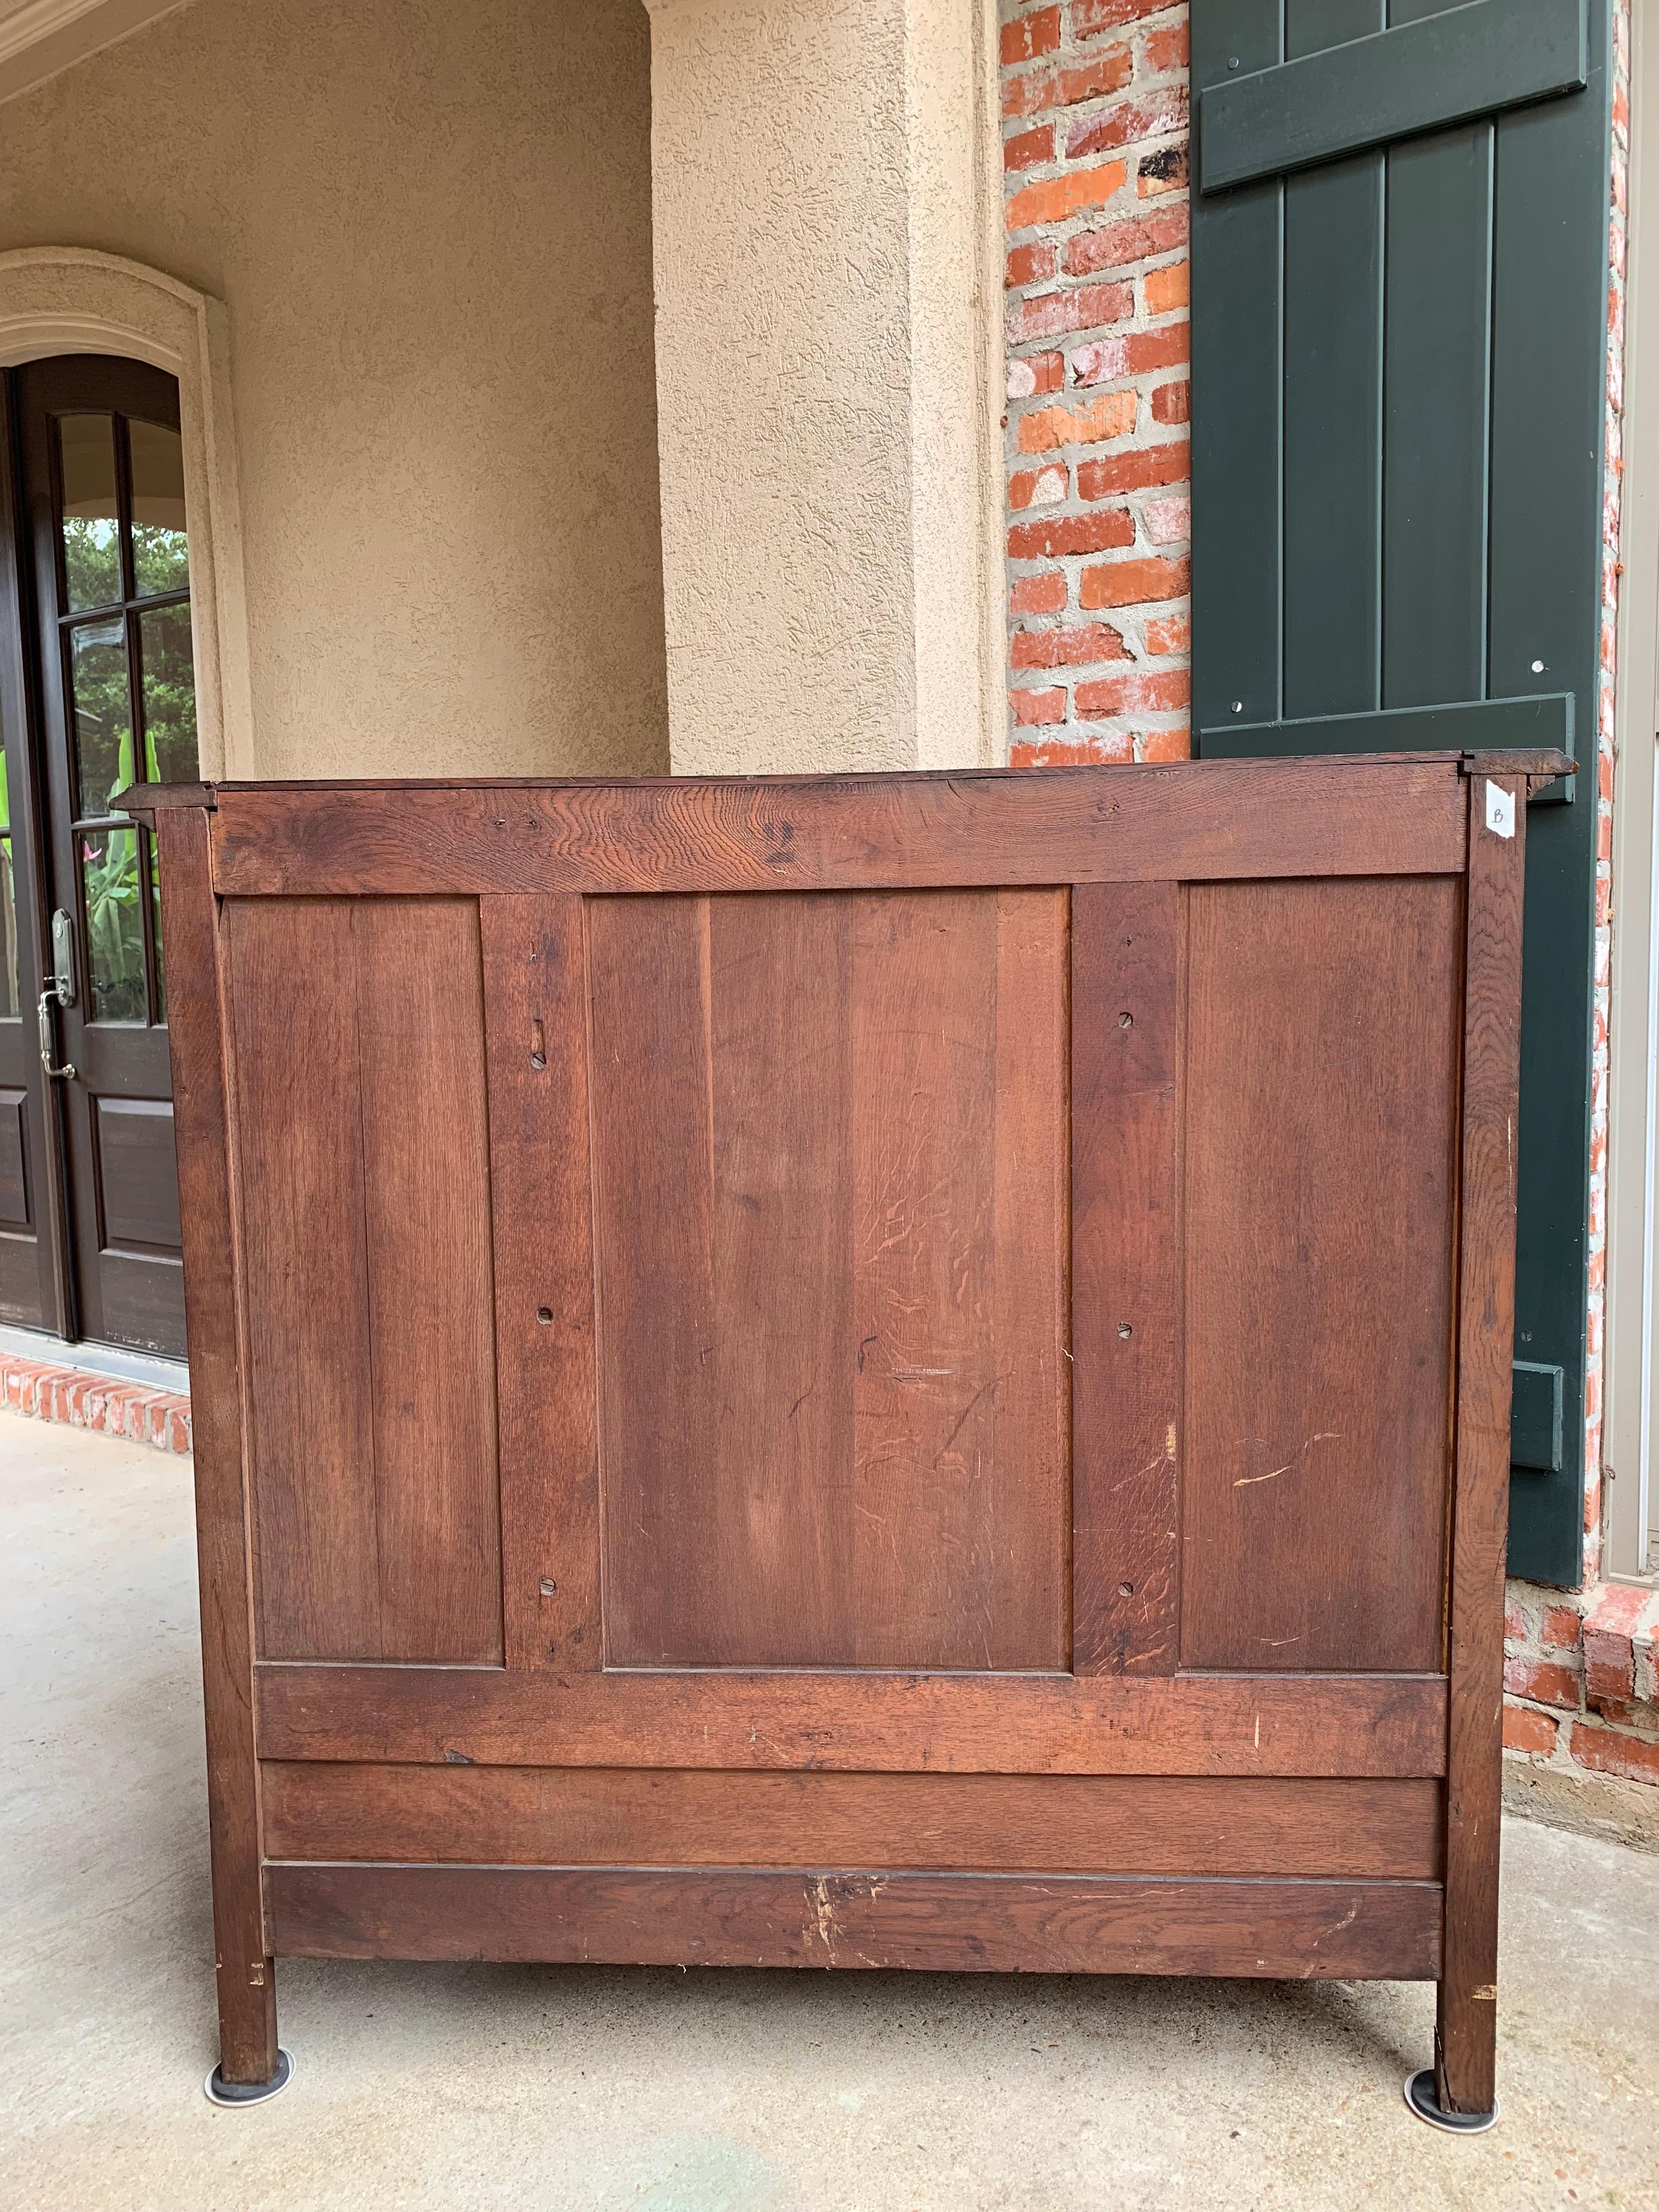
x: 825, y: 350
x: 432, y: 228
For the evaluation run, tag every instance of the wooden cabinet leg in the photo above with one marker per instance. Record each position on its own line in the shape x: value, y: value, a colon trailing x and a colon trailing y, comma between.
x: 252, y: 2064
x: 1459, y: 2092
x: 1465, y: 2071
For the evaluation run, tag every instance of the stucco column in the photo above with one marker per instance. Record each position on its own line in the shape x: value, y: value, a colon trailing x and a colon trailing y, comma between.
x: 824, y: 197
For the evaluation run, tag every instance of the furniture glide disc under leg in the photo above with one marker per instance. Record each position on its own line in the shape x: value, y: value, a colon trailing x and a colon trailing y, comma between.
x: 220, y: 2092
x: 1420, y: 2096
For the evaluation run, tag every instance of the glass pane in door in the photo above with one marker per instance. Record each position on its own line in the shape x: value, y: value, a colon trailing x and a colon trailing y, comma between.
x: 91, y: 521
x: 115, y: 930
x: 168, y: 685
x: 102, y: 710
x: 161, y: 556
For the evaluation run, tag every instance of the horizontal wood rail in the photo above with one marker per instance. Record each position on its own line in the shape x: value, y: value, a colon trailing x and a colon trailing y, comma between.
x: 1193, y: 821
x: 1313, y: 1724
x: 984, y: 1922
x: 1114, y: 1824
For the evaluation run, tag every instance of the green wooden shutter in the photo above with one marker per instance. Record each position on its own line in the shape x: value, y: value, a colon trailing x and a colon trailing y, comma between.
x: 1400, y: 287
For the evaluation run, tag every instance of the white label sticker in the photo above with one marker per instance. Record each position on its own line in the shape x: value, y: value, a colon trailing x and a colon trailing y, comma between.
x: 1500, y: 810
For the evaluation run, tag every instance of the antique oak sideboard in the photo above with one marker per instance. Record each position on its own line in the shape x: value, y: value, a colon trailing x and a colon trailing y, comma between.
x: 898, y: 1370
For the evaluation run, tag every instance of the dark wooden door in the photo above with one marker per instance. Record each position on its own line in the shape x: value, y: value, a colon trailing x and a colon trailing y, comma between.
x: 103, y: 601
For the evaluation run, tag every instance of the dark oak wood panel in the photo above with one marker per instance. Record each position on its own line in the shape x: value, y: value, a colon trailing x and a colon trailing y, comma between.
x: 1318, y: 1116
x: 1466, y: 2029
x: 426, y: 1194
x: 536, y: 1017
x: 844, y: 832
x: 955, y: 1724
x: 829, y: 1217
x: 974, y: 1924
x: 906, y: 1420
x: 599, y: 1816
x: 210, y: 1159
x: 1125, y: 1263
x: 317, y: 1571
x: 366, y: 1207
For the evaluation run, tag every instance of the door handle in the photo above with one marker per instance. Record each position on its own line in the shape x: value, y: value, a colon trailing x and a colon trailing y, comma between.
x: 51, y: 996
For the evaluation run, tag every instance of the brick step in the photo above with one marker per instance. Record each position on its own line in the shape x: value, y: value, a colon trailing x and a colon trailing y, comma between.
x: 98, y: 1402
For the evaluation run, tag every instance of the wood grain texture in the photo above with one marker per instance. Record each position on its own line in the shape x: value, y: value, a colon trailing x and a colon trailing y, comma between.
x: 365, y: 1208
x: 1320, y: 1724
x: 599, y: 1816
x: 982, y: 1924
x: 425, y: 1138
x: 1467, y: 2024
x: 317, y: 1573
x: 1319, y: 1117
x: 535, y: 1021
x: 1191, y: 819
x: 1125, y: 1277
x: 829, y: 1224
x: 206, y: 1151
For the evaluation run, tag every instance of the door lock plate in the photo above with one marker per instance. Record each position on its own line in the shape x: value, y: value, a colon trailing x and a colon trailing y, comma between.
x: 63, y: 956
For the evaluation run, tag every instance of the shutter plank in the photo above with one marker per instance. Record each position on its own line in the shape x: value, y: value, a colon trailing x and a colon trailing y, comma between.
x: 1435, y: 453
x: 1444, y: 66
x: 1238, y: 396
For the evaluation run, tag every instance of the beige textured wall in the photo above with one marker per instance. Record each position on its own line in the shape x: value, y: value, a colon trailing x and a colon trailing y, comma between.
x: 431, y: 226
x: 826, y: 289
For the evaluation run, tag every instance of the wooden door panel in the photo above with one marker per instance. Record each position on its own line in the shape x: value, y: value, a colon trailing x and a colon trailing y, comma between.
x: 359, y: 1057
x: 1319, y: 1092
x: 137, y: 1179
x: 829, y: 1214
x: 14, y: 1172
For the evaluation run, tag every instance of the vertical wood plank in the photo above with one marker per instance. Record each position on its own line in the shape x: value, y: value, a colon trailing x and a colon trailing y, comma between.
x: 841, y: 1122
x: 1126, y: 1277
x: 1319, y: 1172
x: 654, y: 1210
x: 1467, y: 2019
x: 427, y: 1247
x: 956, y: 1560
x: 312, y: 1440
x: 1032, y: 1400
x: 924, y: 1073
x: 535, y: 966
x: 780, y: 1492
x: 198, y: 1028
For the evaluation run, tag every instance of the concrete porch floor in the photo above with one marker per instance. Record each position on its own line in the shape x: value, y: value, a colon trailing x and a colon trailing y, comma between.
x: 616, y: 2090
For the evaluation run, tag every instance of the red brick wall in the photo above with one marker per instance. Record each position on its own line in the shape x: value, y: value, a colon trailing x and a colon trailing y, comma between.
x: 1094, y: 104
